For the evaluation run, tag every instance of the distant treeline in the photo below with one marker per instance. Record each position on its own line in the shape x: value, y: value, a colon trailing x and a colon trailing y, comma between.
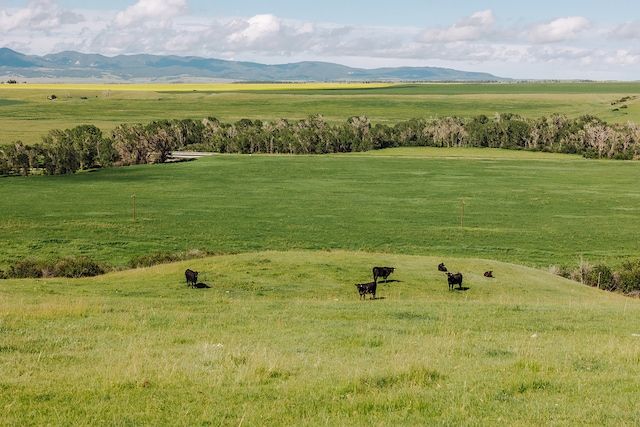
x: 85, y: 146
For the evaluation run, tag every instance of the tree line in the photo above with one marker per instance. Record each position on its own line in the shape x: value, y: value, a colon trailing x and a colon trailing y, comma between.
x: 85, y: 146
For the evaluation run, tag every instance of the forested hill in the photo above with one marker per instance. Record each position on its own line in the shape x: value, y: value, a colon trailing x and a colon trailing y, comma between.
x: 80, y: 67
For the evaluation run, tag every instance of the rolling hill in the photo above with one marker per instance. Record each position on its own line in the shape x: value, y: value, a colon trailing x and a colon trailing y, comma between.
x: 281, y: 338
x: 80, y: 67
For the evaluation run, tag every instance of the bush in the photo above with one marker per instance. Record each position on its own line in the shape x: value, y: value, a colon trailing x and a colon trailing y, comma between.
x: 629, y: 276
x: 27, y: 268
x: 81, y: 266
x: 601, y: 276
x: 71, y: 266
x: 562, y: 271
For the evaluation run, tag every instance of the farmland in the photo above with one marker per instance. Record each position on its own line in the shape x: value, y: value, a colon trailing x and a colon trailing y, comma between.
x: 280, y: 337
x: 27, y: 114
x: 535, y: 209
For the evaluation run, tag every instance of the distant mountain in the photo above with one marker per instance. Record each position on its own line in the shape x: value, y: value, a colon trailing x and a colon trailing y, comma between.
x: 80, y: 67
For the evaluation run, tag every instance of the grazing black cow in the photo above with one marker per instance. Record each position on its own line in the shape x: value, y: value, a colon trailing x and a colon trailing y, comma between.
x: 383, y: 272
x: 192, y: 277
x: 441, y: 267
x: 488, y: 273
x: 454, y: 279
x: 367, y: 288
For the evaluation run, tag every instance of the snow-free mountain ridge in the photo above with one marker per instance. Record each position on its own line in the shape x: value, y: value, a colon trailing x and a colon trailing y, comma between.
x: 79, y: 67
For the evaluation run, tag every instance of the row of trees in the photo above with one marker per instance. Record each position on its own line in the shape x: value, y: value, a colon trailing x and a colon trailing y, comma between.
x: 84, y: 147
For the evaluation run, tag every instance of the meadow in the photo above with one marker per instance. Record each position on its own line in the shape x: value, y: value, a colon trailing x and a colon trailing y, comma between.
x: 26, y: 114
x: 534, y: 209
x: 281, y: 337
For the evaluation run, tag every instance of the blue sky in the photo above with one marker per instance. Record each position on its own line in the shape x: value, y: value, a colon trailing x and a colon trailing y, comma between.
x: 525, y: 40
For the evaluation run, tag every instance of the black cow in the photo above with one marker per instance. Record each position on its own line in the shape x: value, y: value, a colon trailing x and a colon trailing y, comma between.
x: 441, y: 267
x: 454, y: 279
x: 192, y: 277
x: 367, y: 288
x: 383, y: 272
x: 488, y: 273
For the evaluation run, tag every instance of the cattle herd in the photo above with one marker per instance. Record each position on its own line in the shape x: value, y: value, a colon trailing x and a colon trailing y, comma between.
x: 453, y: 279
x: 364, y: 289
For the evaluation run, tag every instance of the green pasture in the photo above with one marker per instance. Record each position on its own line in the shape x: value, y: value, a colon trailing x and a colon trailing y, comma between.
x: 281, y: 339
x: 26, y: 114
x: 534, y: 209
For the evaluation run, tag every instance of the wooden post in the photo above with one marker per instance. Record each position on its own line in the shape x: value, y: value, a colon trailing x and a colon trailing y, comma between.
x: 133, y: 201
x: 462, y: 216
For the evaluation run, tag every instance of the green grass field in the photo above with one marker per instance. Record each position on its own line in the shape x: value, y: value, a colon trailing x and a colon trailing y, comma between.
x: 26, y: 114
x: 526, y: 208
x: 282, y: 339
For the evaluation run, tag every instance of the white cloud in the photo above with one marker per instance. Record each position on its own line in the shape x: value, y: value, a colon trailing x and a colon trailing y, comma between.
x: 627, y: 31
x: 475, y: 27
x: 475, y: 42
x: 147, y: 10
x: 259, y: 28
x: 39, y: 15
x: 306, y: 28
x: 560, y: 30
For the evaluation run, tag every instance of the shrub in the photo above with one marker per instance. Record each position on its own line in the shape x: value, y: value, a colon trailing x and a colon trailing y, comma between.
x: 629, y: 276
x: 71, y: 266
x: 561, y: 271
x: 81, y: 266
x: 27, y: 268
x: 602, y: 277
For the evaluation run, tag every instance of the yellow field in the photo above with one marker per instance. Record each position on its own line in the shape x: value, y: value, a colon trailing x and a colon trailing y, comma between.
x: 190, y: 87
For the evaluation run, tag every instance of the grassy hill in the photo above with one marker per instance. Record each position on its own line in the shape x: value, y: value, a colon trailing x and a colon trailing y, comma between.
x: 281, y: 338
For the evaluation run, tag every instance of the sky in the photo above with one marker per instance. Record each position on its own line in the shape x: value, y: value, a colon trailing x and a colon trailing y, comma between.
x: 560, y: 39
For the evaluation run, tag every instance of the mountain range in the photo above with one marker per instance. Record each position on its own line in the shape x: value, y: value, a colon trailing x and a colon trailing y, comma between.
x: 81, y: 68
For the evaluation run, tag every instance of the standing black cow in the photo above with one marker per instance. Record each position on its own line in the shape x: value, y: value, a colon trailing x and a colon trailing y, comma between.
x: 454, y: 279
x: 192, y: 277
x: 367, y: 288
x: 383, y: 272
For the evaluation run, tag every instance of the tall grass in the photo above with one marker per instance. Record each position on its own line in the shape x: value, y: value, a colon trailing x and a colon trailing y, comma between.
x: 282, y: 339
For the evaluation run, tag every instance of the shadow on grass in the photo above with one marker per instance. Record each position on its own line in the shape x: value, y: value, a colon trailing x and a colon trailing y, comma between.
x: 201, y: 286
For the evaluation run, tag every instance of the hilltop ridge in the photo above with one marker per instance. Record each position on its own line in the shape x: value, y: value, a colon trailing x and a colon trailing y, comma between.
x: 73, y: 66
